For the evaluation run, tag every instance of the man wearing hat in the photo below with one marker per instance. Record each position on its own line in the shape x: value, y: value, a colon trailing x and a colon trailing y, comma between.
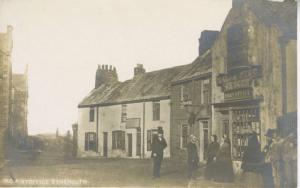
x: 192, y: 156
x: 158, y: 146
x: 267, y: 166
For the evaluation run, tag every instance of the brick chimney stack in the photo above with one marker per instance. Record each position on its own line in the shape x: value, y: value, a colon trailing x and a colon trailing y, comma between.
x: 206, y: 40
x: 106, y: 75
x: 139, y: 69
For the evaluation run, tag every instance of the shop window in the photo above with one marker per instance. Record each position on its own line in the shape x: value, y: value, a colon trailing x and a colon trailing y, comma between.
x: 244, y: 120
x: 184, y: 135
x: 118, y: 140
x: 92, y: 114
x: 90, y: 141
x: 156, y: 111
x: 124, y: 113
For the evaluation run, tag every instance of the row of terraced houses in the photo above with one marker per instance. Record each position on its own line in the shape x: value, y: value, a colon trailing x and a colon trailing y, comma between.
x: 244, y: 78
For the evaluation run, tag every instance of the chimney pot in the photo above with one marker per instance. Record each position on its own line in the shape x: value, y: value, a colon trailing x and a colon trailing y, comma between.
x: 139, y: 69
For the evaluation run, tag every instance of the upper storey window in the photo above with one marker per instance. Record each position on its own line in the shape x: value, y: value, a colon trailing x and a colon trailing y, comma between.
x: 237, y: 46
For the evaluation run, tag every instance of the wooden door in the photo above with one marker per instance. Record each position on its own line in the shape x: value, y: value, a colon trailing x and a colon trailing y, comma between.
x: 129, y: 136
x: 105, y: 144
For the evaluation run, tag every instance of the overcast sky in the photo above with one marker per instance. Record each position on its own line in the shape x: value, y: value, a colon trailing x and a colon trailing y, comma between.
x: 63, y: 41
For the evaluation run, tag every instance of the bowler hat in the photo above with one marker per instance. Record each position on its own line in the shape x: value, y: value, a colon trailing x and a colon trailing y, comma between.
x: 160, y: 130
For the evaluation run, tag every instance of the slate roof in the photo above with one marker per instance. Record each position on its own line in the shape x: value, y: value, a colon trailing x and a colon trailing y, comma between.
x: 147, y: 86
x: 201, y: 66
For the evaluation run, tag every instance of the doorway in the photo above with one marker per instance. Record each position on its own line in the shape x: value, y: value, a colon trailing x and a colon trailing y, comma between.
x: 129, y: 138
x: 204, y: 140
x: 105, y: 144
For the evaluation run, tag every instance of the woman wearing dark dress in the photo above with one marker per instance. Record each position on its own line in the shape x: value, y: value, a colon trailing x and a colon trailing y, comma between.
x: 212, y: 151
x: 192, y: 156
x: 224, y: 168
x: 252, y: 163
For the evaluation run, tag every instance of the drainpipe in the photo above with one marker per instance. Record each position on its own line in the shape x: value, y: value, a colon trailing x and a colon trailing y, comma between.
x: 143, y: 130
x: 97, y: 122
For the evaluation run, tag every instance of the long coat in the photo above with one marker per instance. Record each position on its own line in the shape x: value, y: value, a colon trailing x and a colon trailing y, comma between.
x: 213, y: 149
x: 158, y: 146
x: 252, y: 164
x: 224, y: 168
x: 192, y: 154
x: 212, y: 152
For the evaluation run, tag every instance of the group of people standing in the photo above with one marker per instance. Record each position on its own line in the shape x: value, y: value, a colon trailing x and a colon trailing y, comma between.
x: 274, y: 166
x: 219, y: 166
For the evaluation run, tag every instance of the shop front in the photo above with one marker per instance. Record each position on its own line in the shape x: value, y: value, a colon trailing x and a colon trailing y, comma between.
x: 239, y: 113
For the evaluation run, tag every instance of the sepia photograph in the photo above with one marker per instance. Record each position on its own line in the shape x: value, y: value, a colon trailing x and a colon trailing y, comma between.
x: 148, y: 93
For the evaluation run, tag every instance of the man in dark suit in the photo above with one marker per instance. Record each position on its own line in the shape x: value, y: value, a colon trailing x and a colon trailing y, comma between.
x: 158, y: 146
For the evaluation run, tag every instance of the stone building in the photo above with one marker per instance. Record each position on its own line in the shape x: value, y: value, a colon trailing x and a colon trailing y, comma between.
x: 254, y: 70
x: 18, y: 121
x: 243, y: 80
x: 5, y: 85
x: 191, y: 100
x: 118, y: 119
x: 250, y: 73
x: 13, y: 94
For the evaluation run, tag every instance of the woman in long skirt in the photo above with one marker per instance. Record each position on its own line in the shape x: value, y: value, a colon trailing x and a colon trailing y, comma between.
x: 212, y: 151
x: 224, y: 169
x: 252, y: 163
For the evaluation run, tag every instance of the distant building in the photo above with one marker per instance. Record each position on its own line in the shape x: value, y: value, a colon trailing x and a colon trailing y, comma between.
x: 5, y: 85
x: 18, y: 122
x: 13, y: 95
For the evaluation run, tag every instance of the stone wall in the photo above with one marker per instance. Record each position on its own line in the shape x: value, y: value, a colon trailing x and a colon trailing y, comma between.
x: 18, y: 120
x: 5, y: 85
x: 181, y: 114
x: 263, y: 48
x: 291, y: 67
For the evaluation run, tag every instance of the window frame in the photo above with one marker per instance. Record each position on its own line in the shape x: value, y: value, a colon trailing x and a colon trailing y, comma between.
x: 183, y: 138
x: 118, y: 140
x: 92, y: 114
x: 89, y: 141
x: 156, y: 110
